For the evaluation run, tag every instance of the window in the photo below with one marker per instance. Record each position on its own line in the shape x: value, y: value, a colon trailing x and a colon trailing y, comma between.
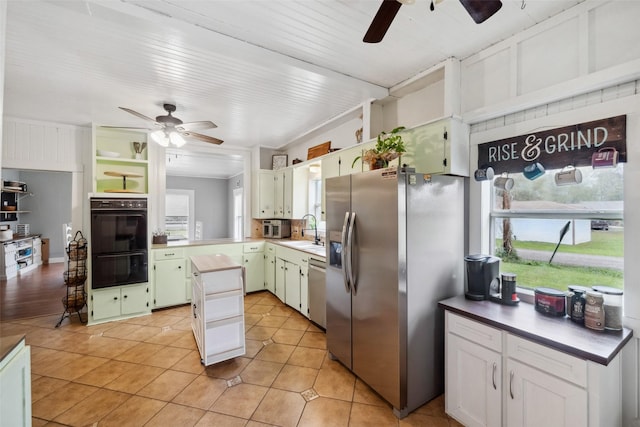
x: 315, y: 202
x: 555, y: 236
x: 237, y: 213
x: 179, y: 214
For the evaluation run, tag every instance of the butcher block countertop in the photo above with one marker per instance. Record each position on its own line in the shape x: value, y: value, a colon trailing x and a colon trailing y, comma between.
x: 209, y: 263
x: 7, y: 344
x: 559, y: 333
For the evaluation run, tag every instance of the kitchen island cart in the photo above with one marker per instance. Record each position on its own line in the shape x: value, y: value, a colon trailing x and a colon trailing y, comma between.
x: 218, y: 307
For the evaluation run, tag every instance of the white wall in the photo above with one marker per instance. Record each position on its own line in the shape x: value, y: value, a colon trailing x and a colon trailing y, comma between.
x: 3, y: 30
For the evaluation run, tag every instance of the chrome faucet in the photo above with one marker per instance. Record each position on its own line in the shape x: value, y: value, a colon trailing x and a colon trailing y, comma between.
x: 316, y: 239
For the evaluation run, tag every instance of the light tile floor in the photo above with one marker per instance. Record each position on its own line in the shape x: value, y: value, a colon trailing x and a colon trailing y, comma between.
x: 146, y: 371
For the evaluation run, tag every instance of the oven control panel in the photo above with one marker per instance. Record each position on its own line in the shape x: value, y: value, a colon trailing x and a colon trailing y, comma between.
x: 97, y: 204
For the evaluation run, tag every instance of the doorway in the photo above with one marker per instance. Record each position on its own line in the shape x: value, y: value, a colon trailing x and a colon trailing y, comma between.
x: 43, y: 208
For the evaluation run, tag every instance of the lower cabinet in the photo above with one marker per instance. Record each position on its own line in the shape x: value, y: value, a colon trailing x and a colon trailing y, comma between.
x: 270, y: 268
x: 170, y: 283
x: 292, y: 282
x: 218, y: 308
x: 15, y: 386
x: 120, y: 301
x: 253, y: 261
x: 494, y: 378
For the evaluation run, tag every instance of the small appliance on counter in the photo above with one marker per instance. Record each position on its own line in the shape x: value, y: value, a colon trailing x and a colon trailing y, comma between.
x: 483, y: 273
x: 506, y: 294
x: 276, y: 228
x: 5, y: 233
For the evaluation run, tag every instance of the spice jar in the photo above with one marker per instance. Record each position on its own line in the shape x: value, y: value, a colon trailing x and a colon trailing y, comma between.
x: 612, y: 307
x: 594, y: 315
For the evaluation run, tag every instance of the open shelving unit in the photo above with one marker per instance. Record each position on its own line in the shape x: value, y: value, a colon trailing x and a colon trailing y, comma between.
x: 121, y: 161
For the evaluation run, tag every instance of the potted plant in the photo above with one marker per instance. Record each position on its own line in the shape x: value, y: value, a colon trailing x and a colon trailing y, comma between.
x: 388, y: 147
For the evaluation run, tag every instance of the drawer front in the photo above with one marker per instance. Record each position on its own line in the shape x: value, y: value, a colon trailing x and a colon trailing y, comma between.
x: 270, y: 249
x: 253, y: 247
x: 473, y: 331
x: 554, y: 362
x: 160, y: 254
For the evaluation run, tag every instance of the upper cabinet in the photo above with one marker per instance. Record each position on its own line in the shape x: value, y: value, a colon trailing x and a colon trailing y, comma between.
x: 439, y: 147
x: 120, y: 163
x: 280, y: 194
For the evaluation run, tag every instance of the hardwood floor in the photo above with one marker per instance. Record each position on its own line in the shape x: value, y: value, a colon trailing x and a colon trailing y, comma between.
x: 36, y: 293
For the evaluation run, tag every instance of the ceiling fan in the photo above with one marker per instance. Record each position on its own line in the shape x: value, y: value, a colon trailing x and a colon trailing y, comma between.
x: 480, y: 11
x: 172, y: 129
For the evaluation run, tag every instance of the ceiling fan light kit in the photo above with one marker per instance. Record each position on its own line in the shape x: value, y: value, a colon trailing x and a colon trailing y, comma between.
x: 479, y: 10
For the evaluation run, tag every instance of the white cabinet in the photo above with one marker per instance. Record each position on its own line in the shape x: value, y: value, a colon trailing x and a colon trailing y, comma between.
x: 439, y: 147
x: 218, y: 308
x: 19, y: 256
x: 15, y: 383
x: 473, y: 372
x: 292, y: 284
x: 169, y: 277
x: 280, y: 279
x: 253, y: 261
x: 495, y: 378
x: 304, y: 289
x: 264, y: 194
x: 119, y: 302
x: 270, y: 267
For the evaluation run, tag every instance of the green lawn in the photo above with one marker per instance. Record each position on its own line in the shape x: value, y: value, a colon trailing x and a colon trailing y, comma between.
x: 609, y: 243
x: 532, y: 274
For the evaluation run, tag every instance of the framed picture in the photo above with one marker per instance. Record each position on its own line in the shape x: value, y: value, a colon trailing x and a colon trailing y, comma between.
x: 279, y: 161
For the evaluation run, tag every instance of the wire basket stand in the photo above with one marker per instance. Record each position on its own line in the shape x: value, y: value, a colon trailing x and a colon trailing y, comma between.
x: 75, y: 277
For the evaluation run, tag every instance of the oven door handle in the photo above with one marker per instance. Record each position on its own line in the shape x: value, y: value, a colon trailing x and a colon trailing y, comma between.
x: 121, y: 254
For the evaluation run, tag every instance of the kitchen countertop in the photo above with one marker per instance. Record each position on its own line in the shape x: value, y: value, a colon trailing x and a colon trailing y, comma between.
x: 559, y: 333
x: 302, y: 245
x: 209, y: 263
x: 184, y: 243
x: 18, y: 237
x: 8, y: 343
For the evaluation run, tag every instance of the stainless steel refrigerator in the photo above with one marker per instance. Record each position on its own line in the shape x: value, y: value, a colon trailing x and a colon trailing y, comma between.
x: 395, y: 248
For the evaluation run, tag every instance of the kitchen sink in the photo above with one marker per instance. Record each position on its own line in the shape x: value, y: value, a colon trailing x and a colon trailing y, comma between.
x: 305, y: 245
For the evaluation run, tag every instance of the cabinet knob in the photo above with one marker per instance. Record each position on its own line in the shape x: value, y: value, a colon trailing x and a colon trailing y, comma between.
x: 179, y: 267
x: 125, y: 296
x: 115, y: 298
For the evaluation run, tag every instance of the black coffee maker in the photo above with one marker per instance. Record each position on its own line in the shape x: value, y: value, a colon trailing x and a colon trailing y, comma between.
x: 483, y: 276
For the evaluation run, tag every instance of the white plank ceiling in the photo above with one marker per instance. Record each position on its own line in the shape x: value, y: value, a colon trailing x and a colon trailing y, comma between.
x: 265, y: 71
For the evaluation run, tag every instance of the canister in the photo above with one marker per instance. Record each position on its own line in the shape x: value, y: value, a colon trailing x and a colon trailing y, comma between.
x: 550, y: 301
x: 612, y: 307
x: 594, y: 315
x: 576, y: 304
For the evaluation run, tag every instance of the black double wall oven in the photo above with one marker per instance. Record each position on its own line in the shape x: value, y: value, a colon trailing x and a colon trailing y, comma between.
x: 119, y: 244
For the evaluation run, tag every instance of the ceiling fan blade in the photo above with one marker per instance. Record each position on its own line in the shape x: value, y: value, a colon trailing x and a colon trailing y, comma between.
x: 481, y: 10
x: 381, y: 22
x: 201, y: 137
x: 201, y: 125
x: 135, y: 113
x: 126, y: 127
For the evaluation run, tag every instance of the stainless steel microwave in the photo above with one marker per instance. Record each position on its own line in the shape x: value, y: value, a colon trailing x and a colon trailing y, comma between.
x: 276, y: 228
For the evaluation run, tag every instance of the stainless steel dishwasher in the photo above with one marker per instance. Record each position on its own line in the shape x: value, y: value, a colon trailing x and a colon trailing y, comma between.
x: 317, y: 292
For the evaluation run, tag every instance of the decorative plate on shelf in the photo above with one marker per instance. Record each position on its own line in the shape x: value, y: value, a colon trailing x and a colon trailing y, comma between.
x: 105, y: 153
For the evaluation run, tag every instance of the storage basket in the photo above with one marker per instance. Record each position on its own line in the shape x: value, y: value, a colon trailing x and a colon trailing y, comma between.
x: 74, y: 277
x: 77, y: 249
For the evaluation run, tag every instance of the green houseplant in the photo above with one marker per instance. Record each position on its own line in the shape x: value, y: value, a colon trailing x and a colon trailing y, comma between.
x: 388, y: 147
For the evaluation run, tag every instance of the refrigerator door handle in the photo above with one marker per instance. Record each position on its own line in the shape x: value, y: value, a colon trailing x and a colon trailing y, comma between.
x: 343, y: 254
x: 352, y: 276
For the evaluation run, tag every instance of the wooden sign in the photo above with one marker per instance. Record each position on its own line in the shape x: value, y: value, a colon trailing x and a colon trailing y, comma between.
x: 319, y: 150
x: 556, y: 148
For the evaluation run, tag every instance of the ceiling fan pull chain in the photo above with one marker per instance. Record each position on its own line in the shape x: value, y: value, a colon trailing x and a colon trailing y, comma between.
x: 523, y: 5
x: 432, y: 7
